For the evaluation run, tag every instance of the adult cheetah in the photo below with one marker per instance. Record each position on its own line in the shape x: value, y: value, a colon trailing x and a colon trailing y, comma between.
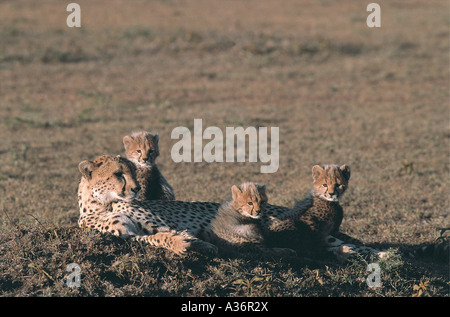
x: 106, y: 199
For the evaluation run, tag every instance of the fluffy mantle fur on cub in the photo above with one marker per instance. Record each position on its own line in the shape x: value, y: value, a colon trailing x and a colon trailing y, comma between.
x: 237, y: 225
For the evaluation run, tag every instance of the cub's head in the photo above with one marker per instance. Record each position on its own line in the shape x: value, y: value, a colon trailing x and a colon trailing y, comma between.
x: 249, y: 199
x: 109, y: 178
x: 330, y: 181
x: 141, y: 148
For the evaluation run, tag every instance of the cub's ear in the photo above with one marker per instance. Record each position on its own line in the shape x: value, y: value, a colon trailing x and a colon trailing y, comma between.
x: 127, y: 140
x: 261, y: 188
x: 316, y: 171
x: 86, y: 168
x: 235, y: 192
x: 345, y: 170
x: 156, y: 139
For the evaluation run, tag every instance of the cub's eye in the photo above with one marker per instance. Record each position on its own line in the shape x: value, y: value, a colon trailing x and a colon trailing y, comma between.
x: 150, y: 151
x: 250, y: 203
x: 138, y: 151
x: 324, y: 185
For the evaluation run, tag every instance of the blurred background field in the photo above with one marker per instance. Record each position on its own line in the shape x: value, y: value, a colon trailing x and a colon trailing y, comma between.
x: 340, y: 92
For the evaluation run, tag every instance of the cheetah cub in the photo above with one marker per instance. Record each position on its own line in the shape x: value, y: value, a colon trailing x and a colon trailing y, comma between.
x: 319, y: 214
x: 313, y: 224
x: 237, y: 227
x: 142, y: 149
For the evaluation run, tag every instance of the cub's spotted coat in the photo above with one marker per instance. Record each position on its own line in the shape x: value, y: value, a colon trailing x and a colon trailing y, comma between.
x: 312, y: 226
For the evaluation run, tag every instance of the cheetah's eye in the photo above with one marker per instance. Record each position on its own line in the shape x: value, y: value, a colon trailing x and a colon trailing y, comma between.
x: 118, y: 174
x: 325, y: 185
x: 138, y: 151
x: 250, y: 203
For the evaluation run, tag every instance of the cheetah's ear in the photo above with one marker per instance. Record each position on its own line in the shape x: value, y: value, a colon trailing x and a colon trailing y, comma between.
x: 316, y: 171
x: 235, y: 192
x: 345, y: 170
x: 156, y: 139
x: 86, y: 168
x: 262, y: 188
x: 127, y: 140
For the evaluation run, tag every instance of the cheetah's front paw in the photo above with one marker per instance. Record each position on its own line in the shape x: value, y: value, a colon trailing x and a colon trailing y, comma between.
x: 178, y: 243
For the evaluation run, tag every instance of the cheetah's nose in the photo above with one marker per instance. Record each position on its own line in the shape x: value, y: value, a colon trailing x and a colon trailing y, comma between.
x: 136, y: 189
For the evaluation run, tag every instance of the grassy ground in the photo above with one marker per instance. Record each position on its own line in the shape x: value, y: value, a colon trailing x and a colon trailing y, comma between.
x: 340, y: 92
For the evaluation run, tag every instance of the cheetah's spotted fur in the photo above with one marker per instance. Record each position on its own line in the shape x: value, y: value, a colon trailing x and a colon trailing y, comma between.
x: 106, y: 199
x: 313, y: 224
x: 108, y: 187
x: 107, y: 181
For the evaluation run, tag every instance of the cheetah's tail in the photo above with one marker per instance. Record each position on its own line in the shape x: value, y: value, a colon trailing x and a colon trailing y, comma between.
x: 437, y: 251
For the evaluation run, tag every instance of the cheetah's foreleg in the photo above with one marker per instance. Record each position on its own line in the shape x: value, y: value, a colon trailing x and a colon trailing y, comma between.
x: 168, y: 240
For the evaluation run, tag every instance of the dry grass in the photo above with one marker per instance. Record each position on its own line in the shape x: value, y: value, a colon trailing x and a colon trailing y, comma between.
x: 375, y: 99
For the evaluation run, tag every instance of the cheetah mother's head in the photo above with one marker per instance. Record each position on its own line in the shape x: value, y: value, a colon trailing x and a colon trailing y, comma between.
x: 109, y: 179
